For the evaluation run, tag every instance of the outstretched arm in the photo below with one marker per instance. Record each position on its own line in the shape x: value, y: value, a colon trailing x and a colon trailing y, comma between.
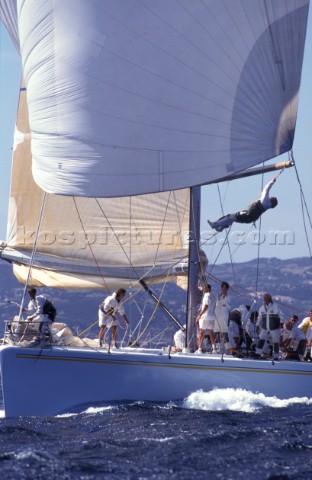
x: 265, y: 192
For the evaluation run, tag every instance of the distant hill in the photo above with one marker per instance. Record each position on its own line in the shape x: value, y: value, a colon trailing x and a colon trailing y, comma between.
x: 289, y: 281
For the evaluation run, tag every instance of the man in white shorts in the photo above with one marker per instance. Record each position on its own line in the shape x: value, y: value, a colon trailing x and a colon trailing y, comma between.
x: 223, y: 309
x: 107, y: 315
x: 206, y: 318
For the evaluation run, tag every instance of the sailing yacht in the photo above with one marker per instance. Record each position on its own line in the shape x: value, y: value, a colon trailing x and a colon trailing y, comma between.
x: 124, y: 112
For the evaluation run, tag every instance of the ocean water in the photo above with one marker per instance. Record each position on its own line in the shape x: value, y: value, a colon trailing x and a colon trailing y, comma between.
x: 223, y: 434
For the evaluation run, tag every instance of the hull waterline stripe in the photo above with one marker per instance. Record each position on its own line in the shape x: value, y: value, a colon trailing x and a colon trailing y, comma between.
x: 144, y: 364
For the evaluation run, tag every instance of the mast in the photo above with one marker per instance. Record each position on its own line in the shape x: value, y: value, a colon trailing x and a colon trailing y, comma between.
x: 194, y: 265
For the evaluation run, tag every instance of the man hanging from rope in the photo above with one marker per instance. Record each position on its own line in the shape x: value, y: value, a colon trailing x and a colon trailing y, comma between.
x: 251, y: 213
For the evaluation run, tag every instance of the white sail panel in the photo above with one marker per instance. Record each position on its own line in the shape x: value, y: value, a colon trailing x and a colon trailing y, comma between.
x: 142, y: 96
x: 89, y: 242
x: 8, y: 16
x: 66, y: 280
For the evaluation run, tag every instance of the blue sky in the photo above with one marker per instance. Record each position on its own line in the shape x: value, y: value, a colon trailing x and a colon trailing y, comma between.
x: 282, y: 233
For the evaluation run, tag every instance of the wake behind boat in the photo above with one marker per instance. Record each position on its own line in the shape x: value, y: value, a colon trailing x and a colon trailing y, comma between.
x: 117, y: 128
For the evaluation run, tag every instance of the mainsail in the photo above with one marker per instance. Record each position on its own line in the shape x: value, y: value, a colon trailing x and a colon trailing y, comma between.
x: 139, y: 96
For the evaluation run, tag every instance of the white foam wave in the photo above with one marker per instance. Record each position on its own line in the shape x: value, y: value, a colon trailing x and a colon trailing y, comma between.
x: 28, y: 455
x: 93, y: 410
x: 238, y: 400
x: 89, y: 411
x: 2, y: 414
x: 156, y: 440
x: 66, y: 415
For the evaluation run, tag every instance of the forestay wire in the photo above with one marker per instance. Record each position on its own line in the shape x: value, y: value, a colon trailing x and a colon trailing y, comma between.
x: 304, y: 206
x: 260, y: 225
x: 259, y: 244
x: 33, y: 253
x: 226, y: 240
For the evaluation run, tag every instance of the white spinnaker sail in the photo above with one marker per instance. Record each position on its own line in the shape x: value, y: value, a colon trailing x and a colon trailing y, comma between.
x: 134, y: 96
x: 8, y: 16
x: 128, y: 238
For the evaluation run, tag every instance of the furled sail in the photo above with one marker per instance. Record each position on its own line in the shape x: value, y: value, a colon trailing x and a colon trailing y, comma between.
x: 88, y: 242
x: 140, y: 96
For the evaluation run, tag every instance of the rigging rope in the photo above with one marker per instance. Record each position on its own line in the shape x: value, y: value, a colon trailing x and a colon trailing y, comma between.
x: 133, y: 267
x: 259, y: 243
x: 89, y: 244
x: 44, y: 200
x: 250, y: 295
x: 303, y: 204
x: 165, y: 283
x: 120, y: 244
x: 226, y: 242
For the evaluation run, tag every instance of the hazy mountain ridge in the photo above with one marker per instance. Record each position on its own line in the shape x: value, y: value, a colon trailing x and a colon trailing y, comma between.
x: 291, y: 278
x: 289, y: 281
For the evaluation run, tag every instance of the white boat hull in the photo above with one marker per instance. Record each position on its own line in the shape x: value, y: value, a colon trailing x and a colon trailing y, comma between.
x: 44, y: 382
